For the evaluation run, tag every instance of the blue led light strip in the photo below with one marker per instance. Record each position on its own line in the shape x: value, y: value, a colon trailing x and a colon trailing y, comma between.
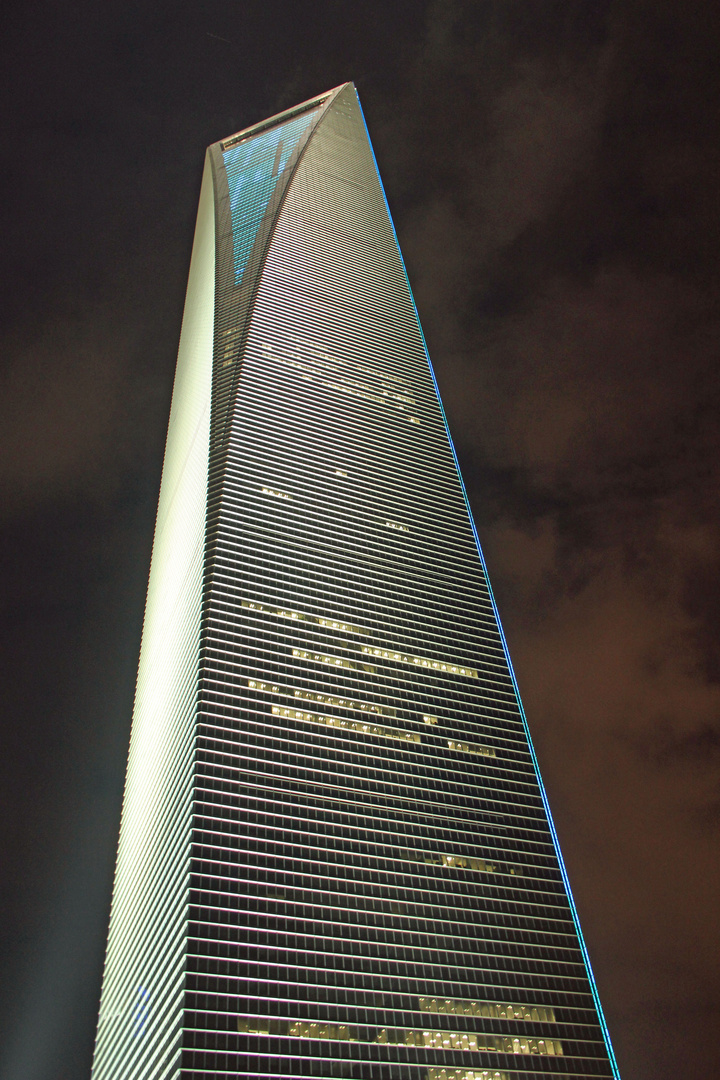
x: 556, y: 842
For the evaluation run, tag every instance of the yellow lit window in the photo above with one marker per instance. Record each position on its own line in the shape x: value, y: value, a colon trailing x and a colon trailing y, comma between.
x: 493, y: 1009
x: 335, y: 624
x: 344, y: 703
x: 391, y: 377
x: 471, y: 748
x: 275, y: 494
x: 311, y: 355
x: 353, y: 390
x: 287, y: 613
x: 457, y: 862
x: 269, y: 688
x: 431, y: 1039
x: 363, y: 726
x: 303, y: 1029
x: 420, y: 661
x: 339, y: 472
x: 268, y: 355
x: 254, y: 1026
x: 466, y: 1074
x: 468, y: 1040
x: 414, y: 420
x: 399, y: 397
x: 323, y: 699
x: 313, y: 368
x: 397, y: 525
x: 309, y: 1030
x: 429, y: 719
x: 333, y: 661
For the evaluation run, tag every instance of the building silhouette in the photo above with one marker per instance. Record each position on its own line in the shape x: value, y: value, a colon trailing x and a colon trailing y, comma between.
x: 336, y: 857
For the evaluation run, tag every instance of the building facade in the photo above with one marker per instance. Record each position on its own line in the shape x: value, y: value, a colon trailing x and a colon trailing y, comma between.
x: 336, y: 857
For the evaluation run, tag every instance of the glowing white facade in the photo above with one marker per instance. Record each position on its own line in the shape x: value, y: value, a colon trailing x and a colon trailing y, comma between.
x: 336, y: 857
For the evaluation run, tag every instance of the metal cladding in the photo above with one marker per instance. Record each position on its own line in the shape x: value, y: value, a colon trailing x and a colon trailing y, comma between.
x: 336, y: 857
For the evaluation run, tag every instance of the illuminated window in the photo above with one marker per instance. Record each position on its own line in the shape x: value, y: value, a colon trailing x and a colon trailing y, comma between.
x: 346, y: 382
x: 253, y: 605
x: 397, y: 525
x: 420, y: 661
x: 363, y: 726
x: 399, y: 397
x: 344, y: 703
x: 382, y: 374
x: 308, y: 1030
x: 310, y: 358
x: 414, y: 420
x: 466, y: 1074
x: 303, y: 1029
x: 493, y: 1009
x: 471, y: 748
x: 436, y: 1040
x: 457, y: 862
x: 429, y: 719
x: 339, y: 721
x: 323, y: 699
x: 275, y: 494
x: 333, y: 661
x: 390, y: 376
x: 269, y: 355
x: 334, y: 624
x: 469, y: 1040
x: 257, y: 1026
x: 269, y: 688
x: 287, y: 613
x: 312, y: 368
x: 353, y: 390
x: 339, y: 472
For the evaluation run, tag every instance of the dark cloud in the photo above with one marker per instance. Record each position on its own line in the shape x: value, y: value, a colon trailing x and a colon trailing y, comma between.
x: 553, y: 170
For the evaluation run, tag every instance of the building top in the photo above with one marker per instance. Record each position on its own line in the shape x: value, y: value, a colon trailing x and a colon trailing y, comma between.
x: 279, y: 118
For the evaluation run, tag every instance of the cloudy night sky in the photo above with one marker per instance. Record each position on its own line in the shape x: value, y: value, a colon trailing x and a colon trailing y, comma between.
x: 553, y: 170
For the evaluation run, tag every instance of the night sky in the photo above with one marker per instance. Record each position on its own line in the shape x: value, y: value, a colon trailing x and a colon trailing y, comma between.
x: 553, y: 168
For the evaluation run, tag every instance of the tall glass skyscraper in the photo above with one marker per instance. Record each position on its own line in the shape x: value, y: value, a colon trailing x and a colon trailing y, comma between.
x: 336, y: 857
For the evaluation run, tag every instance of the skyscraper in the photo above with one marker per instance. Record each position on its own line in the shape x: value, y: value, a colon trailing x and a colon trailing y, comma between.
x: 336, y: 857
